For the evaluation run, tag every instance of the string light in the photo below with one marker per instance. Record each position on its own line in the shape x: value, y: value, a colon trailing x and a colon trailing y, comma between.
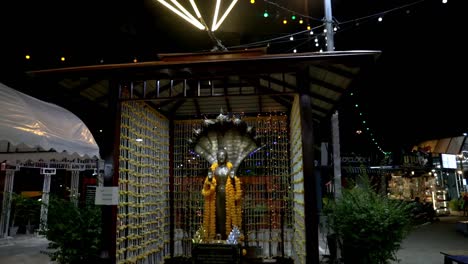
x: 380, y: 19
x: 295, y: 50
x: 265, y: 14
x: 252, y: 1
x: 285, y: 21
x: 293, y: 17
x: 444, y: 1
x: 27, y: 56
x: 291, y: 38
x: 368, y: 130
x: 301, y: 21
x: 62, y: 58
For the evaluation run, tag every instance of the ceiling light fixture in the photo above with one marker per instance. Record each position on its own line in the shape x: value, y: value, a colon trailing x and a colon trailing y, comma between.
x: 198, y: 22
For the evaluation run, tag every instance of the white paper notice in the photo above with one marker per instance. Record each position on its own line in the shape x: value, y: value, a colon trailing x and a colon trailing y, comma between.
x: 107, y: 195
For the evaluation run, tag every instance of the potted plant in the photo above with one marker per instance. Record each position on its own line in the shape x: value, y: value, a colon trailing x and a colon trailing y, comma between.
x: 74, y: 232
x: 26, y: 212
x: 368, y: 227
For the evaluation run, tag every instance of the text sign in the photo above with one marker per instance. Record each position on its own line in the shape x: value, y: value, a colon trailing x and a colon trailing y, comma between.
x: 107, y: 195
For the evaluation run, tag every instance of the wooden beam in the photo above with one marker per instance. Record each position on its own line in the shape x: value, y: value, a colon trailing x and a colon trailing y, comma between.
x: 226, y: 98
x: 336, y: 70
x: 335, y: 88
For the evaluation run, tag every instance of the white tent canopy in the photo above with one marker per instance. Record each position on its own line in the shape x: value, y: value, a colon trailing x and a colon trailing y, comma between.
x: 26, y: 122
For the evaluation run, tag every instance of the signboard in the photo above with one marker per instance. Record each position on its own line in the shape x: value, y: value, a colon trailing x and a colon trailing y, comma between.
x: 107, y: 196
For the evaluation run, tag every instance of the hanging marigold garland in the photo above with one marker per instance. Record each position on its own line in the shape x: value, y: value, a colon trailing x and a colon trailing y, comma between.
x: 209, y: 211
x: 233, y: 203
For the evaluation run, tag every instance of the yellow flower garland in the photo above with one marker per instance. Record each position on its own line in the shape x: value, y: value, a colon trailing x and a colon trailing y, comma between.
x: 209, y: 211
x: 233, y: 203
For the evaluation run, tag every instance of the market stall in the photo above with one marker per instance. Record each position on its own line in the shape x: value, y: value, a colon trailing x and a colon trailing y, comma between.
x: 36, y: 134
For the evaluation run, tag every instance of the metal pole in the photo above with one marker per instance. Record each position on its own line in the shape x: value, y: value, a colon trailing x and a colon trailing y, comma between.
x: 336, y: 154
x: 7, y: 198
x: 329, y: 25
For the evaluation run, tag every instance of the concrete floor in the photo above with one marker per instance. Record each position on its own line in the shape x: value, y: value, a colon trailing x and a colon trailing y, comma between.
x: 422, y: 246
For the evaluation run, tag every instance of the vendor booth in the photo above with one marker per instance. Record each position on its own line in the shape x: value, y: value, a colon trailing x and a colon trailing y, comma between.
x: 42, y: 136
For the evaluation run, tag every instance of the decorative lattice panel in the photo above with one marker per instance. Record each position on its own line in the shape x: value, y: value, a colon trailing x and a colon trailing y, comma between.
x: 267, y: 207
x: 143, y: 209
x: 297, y: 176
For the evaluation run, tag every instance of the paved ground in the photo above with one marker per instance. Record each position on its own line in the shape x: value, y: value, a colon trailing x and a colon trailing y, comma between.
x: 422, y: 246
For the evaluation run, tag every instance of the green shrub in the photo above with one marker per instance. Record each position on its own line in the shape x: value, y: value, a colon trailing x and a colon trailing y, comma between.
x: 455, y: 205
x: 369, y: 227
x: 74, y: 232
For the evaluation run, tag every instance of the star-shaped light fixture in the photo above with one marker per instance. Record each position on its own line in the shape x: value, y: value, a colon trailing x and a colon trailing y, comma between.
x: 198, y: 22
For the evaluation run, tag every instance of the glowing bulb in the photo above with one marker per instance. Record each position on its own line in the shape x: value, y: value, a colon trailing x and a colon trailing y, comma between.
x: 380, y: 19
x: 316, y: 40
x: 295, y: 50
x: 291, y: 38
x: 335, y: 29
x: 308, y: 27
x: 311, y: 32
x: 27, y: 57
x: 444, y: 1
x: 252, y: 1
x: 62, y: 58
x: 285, y: 21
x: 135, y: 60
x: 316, y: 44
x: 321, y: 50
x: 293, y: 17
x: 100, y: 130
x: 465, y: 134
x: 301, y: 21
x: 265, y: 14
x: 325, y: 31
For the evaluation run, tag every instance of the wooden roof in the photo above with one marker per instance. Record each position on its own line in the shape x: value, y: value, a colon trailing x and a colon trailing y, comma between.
x: 196, y: 84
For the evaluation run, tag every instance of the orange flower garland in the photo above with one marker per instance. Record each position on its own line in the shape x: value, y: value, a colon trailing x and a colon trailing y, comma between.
x: 233, y: 203
x: 209, y: 210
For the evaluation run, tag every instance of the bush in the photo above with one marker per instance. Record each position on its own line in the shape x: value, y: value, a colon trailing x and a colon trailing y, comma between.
x: 369, y: 227
x: 74, y: 232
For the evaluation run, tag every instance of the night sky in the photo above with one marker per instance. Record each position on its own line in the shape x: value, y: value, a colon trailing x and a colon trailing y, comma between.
x: 415, y: 91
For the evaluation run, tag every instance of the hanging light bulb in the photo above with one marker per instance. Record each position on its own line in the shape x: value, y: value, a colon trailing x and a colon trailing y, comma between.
x: 444, y: 1
x: 311, y: 32
x: 265, y: 14
x: 285, y: 21
x: 308, y: 27
x: 295, y: 50
x: 252, y: 1
x: 27, y: 56
x: 291, y: 38
x: 301, y: 21
x: 316, y: 40
x: 293, y: 17
x: 335, y: 29
x: 325, y: 30
x: 316, y: 44
x: 380, y: 19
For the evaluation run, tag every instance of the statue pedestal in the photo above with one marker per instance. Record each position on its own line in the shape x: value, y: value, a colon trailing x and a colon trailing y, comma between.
x: 216, y: 254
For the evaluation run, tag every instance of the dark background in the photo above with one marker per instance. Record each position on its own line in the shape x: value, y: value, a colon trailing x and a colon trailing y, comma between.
x: 414, y: 92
